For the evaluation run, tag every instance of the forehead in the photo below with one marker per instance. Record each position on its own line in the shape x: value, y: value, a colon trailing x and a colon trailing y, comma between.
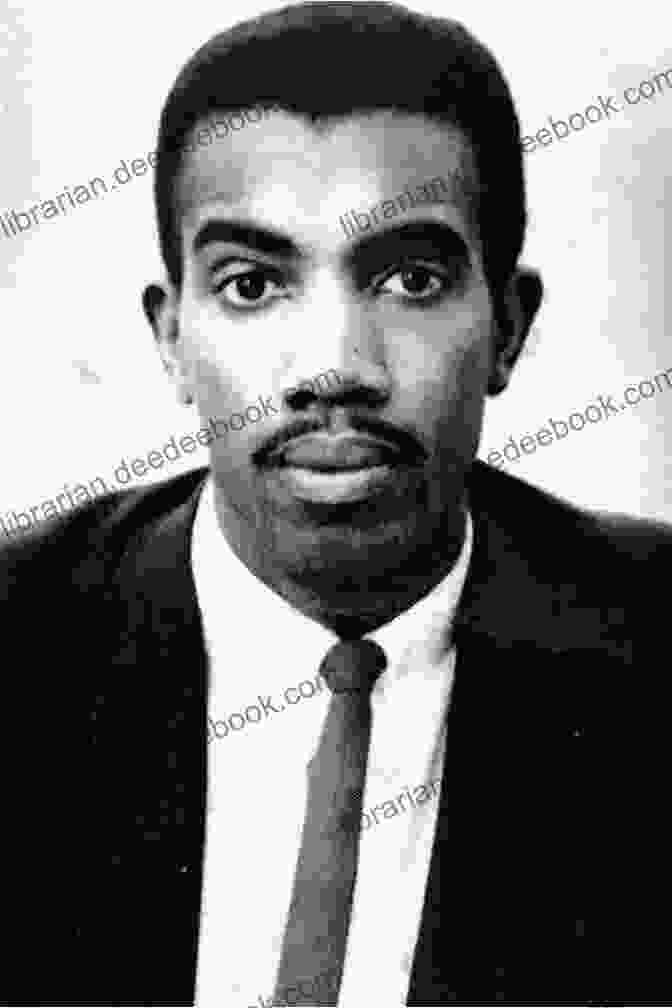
x: 297, y: 176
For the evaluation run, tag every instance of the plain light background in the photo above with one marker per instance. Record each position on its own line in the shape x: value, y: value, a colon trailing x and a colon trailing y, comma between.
x: 81, y: 384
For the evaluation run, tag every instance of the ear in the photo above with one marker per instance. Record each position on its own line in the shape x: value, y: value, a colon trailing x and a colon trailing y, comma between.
x: 161, y: 307
x: 515, y: 310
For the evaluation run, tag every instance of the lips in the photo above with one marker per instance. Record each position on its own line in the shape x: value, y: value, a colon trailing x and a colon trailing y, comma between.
x: 338, y: 454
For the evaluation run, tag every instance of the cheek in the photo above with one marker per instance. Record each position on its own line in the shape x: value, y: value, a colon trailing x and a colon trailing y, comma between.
x: 447, y: 399
x: 225, y: 365
x: 444, y: 358
x: 216, y: 388
x: 430, y: 347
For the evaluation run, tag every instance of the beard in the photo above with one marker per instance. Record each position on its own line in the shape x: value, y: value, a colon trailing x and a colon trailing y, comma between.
x: 351, y: 566
x: 370, y: 548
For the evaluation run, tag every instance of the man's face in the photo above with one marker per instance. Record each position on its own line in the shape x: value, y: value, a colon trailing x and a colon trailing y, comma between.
x: 367, y: 465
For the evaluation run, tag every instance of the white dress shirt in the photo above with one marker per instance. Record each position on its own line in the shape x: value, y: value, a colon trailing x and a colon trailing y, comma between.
x: 260, y: 650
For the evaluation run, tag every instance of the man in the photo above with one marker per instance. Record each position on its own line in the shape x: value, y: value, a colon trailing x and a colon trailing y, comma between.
x: 171, y: 849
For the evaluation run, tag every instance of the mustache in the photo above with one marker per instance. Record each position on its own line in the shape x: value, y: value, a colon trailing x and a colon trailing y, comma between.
x: 411, y: 450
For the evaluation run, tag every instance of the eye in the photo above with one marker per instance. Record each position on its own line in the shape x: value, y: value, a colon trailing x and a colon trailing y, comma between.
x: 415, y: 283
x: 245, y: 286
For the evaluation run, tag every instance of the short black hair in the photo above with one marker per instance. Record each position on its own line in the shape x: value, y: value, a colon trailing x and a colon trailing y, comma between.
x: 335, y: 60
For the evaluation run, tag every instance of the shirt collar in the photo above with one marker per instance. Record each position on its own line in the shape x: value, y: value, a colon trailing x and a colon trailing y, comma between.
x: 220, y: 575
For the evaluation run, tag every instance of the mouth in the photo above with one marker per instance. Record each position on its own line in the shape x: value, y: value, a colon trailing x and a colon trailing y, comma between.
x: 337, y: 454
x: 343, y: 468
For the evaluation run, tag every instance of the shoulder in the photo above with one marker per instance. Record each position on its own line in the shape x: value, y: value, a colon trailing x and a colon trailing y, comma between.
x: 95, y: 534
x: 637, y: 538
x: 602, y: 570
x: 560, y: 524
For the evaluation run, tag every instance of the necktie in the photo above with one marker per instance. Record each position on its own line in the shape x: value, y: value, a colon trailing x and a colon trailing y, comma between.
x: 316, y: 933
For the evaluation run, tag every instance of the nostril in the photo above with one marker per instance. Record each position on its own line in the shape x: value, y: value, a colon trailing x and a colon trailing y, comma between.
x: 303, y: 389
x: 336, y: 388
x: 300, y: 397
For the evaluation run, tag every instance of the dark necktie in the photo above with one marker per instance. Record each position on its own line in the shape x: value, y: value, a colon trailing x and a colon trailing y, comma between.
x: 316, y: 933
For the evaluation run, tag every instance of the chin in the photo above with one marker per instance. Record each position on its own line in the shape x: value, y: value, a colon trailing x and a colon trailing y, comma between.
x: 346, y: 555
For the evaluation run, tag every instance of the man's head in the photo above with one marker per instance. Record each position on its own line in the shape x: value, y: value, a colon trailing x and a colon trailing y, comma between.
x: 342, y: 107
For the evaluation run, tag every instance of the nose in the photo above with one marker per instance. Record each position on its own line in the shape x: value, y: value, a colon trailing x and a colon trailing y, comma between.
x: 341, y: 360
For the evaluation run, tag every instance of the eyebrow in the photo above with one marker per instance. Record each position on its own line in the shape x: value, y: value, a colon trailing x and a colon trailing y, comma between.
x: 238, y: 232
x: 428, y: 236
x: 416, y: 237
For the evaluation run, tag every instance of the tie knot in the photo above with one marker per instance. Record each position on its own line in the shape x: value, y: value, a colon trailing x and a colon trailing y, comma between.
x: 353, y: 666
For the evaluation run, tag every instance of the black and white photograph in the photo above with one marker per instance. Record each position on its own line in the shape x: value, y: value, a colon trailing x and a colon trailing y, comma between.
x: 336, y: 384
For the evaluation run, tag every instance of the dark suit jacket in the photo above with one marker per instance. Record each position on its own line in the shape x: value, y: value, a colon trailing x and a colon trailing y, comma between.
x: 549, y: 879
